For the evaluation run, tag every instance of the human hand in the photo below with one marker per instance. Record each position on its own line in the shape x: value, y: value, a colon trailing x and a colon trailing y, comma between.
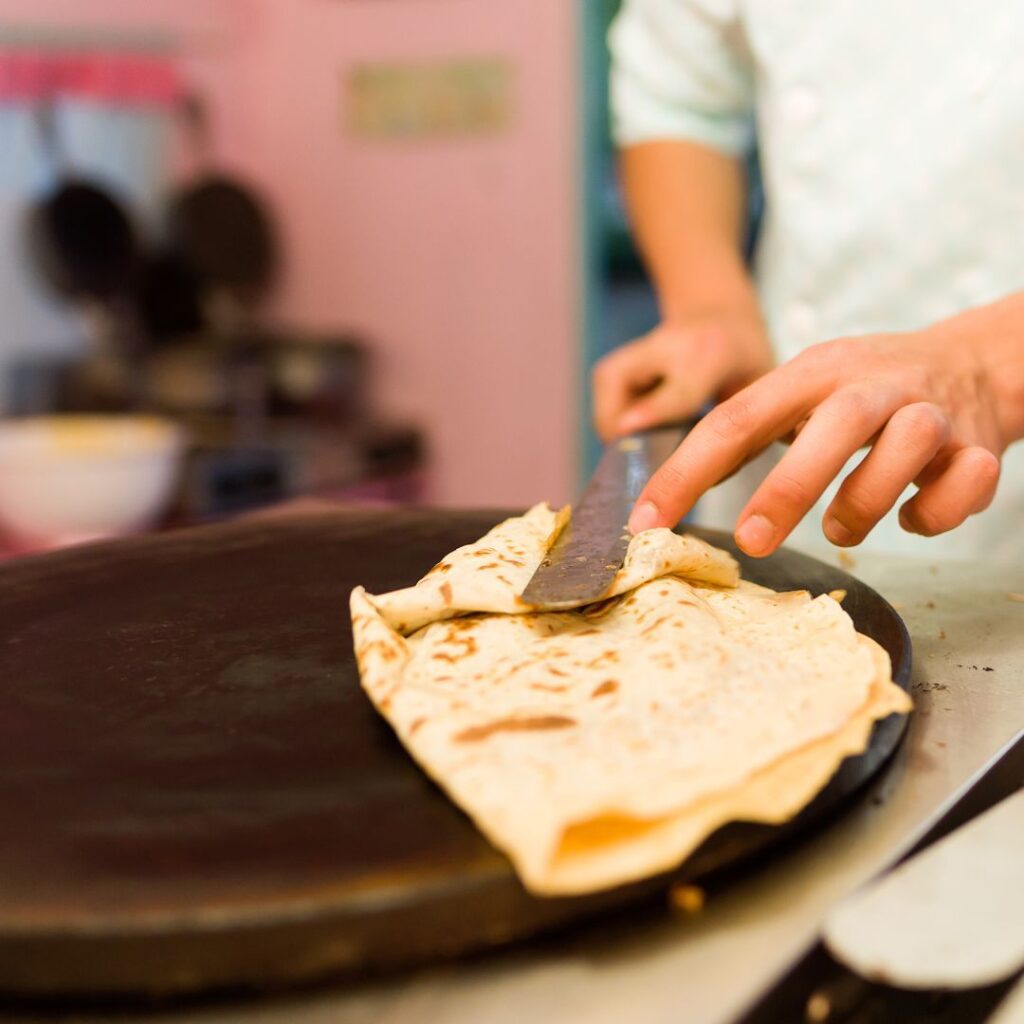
x: 671, y: 372
x: 927, y: 403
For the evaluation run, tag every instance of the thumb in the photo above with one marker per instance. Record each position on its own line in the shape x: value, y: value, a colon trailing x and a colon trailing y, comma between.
x: 673, y: 399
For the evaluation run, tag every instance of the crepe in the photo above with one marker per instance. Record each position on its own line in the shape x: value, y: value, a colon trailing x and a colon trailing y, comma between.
x: 489, y: 576
x: 601, y: 745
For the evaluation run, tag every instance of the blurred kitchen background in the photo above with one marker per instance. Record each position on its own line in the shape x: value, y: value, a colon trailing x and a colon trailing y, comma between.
x: 348, y: 249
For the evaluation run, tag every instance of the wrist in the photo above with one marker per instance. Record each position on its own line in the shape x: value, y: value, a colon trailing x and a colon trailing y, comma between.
x: 1003, y: 367
x: 727, y: 307
x: 991, y: 339
x: 739, y: 312
x: 702, y: 287
x: 734, y: 317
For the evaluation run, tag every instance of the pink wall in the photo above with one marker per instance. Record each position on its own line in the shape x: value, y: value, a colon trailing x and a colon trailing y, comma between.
x: 457, y: 257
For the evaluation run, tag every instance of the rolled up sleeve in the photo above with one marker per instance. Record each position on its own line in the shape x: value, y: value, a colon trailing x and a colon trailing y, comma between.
x: 681, y: 70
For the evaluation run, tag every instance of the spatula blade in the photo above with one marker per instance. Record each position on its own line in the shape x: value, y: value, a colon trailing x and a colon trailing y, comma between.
x: 590, y: 550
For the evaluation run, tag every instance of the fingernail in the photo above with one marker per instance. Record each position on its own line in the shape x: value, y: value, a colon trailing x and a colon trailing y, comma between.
x: 645, y: 517
x: 837, y: 533
x: 754, y: 535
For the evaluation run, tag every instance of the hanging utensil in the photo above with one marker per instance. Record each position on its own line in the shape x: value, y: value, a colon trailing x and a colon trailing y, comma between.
x: 219, y: 228
x: 83, y: 244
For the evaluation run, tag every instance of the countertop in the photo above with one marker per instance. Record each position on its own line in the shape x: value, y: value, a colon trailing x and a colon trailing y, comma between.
x: 705, y: 968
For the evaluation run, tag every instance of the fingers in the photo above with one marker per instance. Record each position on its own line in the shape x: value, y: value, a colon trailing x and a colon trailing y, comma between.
x: 668, y: 402
x: 909, y: 442
x: 662, y: 377
x: 843, y: 423
x: 617, y: 379
x: 748, y: 422
x: 967, y: 485
x: 810, y: 394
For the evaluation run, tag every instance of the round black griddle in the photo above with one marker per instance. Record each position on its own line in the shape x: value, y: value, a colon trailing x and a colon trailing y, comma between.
x: 195, y: 792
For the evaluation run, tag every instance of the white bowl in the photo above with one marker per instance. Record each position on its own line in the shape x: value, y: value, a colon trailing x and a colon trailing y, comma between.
x: 70, y: 479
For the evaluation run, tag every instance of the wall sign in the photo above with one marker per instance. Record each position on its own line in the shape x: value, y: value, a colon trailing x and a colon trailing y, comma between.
x: 401, y: 100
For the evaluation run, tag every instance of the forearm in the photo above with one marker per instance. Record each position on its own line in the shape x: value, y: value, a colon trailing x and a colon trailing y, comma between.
x: 687, y: 207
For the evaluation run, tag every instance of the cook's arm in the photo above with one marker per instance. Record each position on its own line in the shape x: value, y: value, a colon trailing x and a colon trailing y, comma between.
x: 686, y: 206
x: 681, y: 101
x: 938, y: 407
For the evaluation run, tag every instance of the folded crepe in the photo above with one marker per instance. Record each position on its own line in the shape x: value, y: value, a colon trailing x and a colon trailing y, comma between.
x: 601, y: 745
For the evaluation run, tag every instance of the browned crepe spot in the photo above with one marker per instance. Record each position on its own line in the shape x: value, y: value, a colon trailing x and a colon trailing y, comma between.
x: 542, y: 723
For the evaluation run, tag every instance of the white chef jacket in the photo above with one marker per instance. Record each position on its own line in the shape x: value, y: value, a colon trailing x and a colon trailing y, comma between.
x: 891, y: 139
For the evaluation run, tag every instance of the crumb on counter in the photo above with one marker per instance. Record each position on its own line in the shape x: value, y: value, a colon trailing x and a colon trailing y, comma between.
x: 687, y: 899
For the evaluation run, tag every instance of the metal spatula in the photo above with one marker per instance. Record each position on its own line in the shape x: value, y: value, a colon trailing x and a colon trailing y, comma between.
x: 590, y: 549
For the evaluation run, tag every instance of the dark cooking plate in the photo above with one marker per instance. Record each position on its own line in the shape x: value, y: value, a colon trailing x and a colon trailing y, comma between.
x: 195, y: 793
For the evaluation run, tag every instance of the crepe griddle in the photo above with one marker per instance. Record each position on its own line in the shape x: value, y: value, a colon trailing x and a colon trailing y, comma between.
x: 196, y: 794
